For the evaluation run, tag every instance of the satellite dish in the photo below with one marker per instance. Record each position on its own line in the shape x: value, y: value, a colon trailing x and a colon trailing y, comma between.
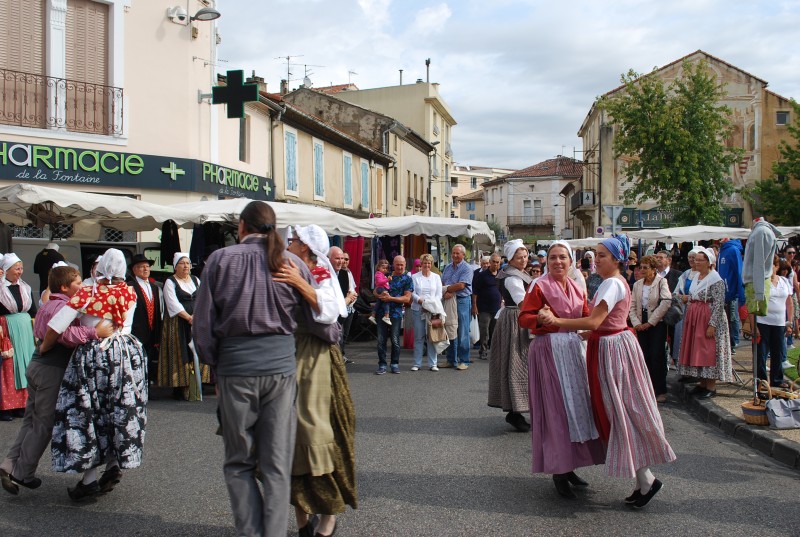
x: 307, y: 82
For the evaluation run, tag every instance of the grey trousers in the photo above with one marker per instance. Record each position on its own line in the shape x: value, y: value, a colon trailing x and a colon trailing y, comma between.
x: 37, y: 425
x: 258, y: 429
x: 486, y: 322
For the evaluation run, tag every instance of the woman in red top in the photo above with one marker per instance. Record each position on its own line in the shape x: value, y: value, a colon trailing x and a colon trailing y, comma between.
x: 563, y: 433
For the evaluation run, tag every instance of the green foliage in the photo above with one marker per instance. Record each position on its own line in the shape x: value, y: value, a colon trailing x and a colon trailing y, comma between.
x: 775, y: 197
x: 674, y: 136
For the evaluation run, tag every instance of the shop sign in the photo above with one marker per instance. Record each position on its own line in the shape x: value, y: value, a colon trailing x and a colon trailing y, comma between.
x: 34, y: 163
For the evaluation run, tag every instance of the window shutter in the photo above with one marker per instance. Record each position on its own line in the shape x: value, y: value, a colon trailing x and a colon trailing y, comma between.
x: 291, y: 161
x: 319, y: 176
x: 87, y: 41
x: 364, y: 186
x: 22, y: 36
x: 348, y: 180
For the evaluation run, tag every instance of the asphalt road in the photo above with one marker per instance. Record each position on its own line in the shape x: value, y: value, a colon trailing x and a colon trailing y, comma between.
x: 433, y: 460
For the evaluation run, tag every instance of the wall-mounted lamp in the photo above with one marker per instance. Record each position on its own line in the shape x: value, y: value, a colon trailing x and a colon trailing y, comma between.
x: 179, y: 15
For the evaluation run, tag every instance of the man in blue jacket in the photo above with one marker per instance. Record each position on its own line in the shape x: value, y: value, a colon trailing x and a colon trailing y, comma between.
x: 730, y: 269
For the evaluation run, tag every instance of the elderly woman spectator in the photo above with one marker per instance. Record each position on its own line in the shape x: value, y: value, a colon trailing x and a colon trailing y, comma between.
x: 175, y: 361
x: 775, y: 326
x: 684, y: 283
x: 17, y: 306
x: 508, y: 356
x: 427, y: 284
x: 650, y: 300
x: 564, y: 436
x: 705, y: 345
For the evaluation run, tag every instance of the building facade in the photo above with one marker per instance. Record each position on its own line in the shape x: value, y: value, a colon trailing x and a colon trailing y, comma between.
x: 471, y: 205
x: 466, y: 179
x: 529, y: 203
x: 421, y: 108
x: 760, y: 122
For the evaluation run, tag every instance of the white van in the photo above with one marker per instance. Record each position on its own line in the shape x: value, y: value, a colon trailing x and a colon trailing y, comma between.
x: 79, y: 253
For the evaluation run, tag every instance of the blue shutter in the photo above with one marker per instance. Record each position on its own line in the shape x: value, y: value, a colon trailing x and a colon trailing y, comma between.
x: 319, y: 179
x: 348, y: 180
x: 365, y: 186
x: 291, y: 161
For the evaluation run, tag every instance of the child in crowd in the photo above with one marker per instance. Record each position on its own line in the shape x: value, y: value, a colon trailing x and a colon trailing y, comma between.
x: 44, y: 378
x: 382, y: 279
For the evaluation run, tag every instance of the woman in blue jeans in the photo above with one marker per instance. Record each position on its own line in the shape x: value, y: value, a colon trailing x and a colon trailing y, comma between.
x: 427, y: 284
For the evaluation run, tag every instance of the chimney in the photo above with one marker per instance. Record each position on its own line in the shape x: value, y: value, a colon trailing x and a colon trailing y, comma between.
x: 428, y: 70
x: 284, y: 86
x: 401, y: 77
x: 419, y: 81
x: 262, y: 85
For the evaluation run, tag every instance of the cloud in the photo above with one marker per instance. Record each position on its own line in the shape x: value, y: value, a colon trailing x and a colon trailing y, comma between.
x: 376, y: 12
x: 431, y: 20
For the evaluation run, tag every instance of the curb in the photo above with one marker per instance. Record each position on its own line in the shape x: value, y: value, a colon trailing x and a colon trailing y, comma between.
x: 758, y: 437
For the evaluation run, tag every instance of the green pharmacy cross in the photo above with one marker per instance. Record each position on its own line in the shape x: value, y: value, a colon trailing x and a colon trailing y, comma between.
x: 235, y: 94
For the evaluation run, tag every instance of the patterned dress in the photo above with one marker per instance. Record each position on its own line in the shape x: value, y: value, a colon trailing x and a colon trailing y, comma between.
x: 701, y: 356
x: 508, y: 355
x: 101, y: 408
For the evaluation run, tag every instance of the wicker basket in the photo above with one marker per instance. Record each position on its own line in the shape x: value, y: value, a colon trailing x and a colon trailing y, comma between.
x: 755, y: 411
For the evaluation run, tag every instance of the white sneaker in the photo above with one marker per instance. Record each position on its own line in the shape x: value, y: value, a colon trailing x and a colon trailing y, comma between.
x: 787, y: 364
x: 434, y: 368
x: 372, y: 320
x: 387, y: 320
x: 414, y: 368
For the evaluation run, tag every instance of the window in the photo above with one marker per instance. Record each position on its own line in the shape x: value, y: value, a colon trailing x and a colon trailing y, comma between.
x: 501, y: 195
x: 290, y: 153
x: 470, y: 205
x: 348, y: 179
x: 473, y: 183
x: 395, y: 186
x: 364, y: 185
x: 781, y: 118
x: 537, y: 210
x: 87, y: 65
x: 472, y: 216
x: 244, y: 139
x: 319, y: 170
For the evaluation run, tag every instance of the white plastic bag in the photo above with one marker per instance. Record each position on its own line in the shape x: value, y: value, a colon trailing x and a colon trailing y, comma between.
x: 474, y: 330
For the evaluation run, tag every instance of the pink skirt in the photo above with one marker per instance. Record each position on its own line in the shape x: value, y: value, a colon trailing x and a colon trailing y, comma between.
x: 697, y: 350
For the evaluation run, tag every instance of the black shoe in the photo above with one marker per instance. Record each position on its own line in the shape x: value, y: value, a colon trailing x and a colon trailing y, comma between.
x: 109, y: 479
x: 5, y: 415
x: 335, y: 525
x: 83, y: 492
x: 576, y: 481
x: 644, y: 499
x: 7, y: 483
x: 562, y: 486
x: 308, y: 529
x: 697, y: 390
x: 34, y: 483
x: 633, y: 498
x: 349, y: 361
x: 707, y: 394
x: 517, y: 420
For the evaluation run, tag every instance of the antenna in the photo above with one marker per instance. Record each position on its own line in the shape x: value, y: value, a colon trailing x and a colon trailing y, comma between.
x: 349, y: 74
x: 288, y: 59
x: 306, y: 72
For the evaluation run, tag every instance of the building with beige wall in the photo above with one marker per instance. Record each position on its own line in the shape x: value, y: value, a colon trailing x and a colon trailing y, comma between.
x: 403, y: 188
x: 760, y: 122
x: 471, y: 205
x: 118, y: 81
x: 420, y: 107
x: 528, y: 203
x: 465, y: 179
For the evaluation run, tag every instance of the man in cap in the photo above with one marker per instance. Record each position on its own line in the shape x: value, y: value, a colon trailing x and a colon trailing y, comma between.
x: 148, y: 313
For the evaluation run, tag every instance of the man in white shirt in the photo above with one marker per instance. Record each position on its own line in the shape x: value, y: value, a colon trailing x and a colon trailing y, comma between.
x: 664, y: 259
x: 148, y: 313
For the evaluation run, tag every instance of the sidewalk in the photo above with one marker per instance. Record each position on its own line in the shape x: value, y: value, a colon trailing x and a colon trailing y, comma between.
x: 725, y: 412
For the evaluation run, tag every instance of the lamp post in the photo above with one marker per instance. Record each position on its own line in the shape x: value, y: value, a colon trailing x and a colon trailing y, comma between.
x: 430, y: 176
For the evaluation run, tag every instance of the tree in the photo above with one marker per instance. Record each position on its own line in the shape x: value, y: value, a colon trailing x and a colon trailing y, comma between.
x: 674, y: 137
x: 775, y: 197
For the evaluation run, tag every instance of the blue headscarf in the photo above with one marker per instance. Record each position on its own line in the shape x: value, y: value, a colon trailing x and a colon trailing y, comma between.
x: 619, y: 247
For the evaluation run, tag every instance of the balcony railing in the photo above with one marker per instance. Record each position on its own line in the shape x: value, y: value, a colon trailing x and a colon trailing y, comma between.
x: 46, y: 102
x: 530, y: 220
x: 581, y: 198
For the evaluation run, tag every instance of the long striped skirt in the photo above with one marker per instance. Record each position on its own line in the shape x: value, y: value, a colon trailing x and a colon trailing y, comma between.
x: 508, y: 363
x: 636, y: 437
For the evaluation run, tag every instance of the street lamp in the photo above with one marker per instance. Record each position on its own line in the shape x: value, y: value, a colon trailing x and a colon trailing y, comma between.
x: 430, y: 176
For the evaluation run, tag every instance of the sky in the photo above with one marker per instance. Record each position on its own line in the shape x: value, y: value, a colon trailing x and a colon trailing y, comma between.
x: 518, y: 75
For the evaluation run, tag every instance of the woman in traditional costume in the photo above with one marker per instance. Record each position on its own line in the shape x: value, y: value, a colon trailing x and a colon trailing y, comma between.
x: 323, y: 470
x: 16, y: 336
x: 706, y: 344
x: 175, y: 358
x: 623, y: 401
x: 508, y: 355
x: 563, y: 433
x: 101, y: 409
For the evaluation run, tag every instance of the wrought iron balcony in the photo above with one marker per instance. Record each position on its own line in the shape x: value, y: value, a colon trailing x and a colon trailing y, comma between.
x: 530, y: 221
x: 46, y: 102
x: 581, y: 198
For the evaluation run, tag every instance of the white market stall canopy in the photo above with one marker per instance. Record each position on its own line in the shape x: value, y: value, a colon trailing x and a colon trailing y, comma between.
x: 689, y: 233
x: 286, y: 214
x: 431, y: 226
x: 25, y: 203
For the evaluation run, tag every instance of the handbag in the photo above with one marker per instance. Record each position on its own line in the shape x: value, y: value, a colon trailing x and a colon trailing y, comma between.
x: 674, y: 313
x: 436, y: 331
x: 783, y: 413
